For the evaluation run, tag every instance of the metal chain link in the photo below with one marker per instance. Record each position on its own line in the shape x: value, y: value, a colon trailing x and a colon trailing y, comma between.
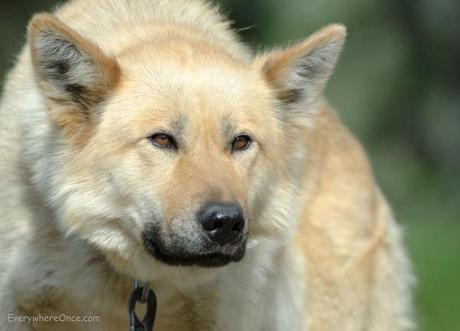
x: 143, y: 294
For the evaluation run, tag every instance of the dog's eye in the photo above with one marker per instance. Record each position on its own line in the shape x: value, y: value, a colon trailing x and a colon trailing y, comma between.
x: 240, y: 143
x: 163, y: 140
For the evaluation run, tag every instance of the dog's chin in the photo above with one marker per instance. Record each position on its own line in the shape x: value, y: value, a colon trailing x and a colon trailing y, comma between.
x: 209, y: 256
x: 205, y: 260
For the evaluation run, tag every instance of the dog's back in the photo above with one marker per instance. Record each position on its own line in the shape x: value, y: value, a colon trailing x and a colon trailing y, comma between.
x: 112, y: 24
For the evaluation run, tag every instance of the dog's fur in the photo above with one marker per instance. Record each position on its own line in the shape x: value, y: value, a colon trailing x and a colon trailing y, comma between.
x: 82, y: 186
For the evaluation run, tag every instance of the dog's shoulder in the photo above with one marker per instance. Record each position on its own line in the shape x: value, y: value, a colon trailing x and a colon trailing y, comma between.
x: 341, y: 200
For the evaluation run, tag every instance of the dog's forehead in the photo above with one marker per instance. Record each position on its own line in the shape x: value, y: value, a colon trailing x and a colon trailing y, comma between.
x: 211, y: 79
x: 178, y: 89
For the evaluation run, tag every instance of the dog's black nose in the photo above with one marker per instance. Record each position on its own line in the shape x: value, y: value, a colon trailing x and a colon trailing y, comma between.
x: 223, y: 223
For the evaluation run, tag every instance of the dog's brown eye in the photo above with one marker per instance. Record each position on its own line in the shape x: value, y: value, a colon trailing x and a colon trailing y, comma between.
x: 163, y: 140
x: 241, y: 143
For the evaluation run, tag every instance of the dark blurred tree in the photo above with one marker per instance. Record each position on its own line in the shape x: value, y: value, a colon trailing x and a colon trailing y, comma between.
x: 13, y: 21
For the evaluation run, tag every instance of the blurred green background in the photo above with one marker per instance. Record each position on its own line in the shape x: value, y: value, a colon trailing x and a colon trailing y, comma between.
x: 397, y: 87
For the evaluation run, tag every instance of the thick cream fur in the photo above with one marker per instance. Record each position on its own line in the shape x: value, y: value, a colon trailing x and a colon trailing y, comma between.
x: 324, y: 250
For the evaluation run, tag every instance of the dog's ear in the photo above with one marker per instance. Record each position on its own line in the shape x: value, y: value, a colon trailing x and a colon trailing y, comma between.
x: 72, y: 72
x: 299, y: 74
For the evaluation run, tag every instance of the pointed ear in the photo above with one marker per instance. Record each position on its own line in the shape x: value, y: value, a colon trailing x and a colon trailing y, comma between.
x: 72, y: 72
x: 299, y: 74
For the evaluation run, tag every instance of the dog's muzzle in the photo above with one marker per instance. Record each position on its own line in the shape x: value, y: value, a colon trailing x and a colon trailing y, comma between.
x: 218, y: 238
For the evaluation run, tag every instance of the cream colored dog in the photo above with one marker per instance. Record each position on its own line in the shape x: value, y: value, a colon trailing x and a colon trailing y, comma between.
x: 142, y: 140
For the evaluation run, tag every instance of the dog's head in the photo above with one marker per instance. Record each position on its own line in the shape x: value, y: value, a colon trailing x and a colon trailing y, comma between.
x: 171, y: 148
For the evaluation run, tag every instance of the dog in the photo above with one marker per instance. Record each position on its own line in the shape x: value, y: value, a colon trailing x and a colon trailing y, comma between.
x: 142, y: 140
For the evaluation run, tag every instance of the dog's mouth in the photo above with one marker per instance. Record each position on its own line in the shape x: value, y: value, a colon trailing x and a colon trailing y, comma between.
x: 207, y: 260
x: 207, y: 255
